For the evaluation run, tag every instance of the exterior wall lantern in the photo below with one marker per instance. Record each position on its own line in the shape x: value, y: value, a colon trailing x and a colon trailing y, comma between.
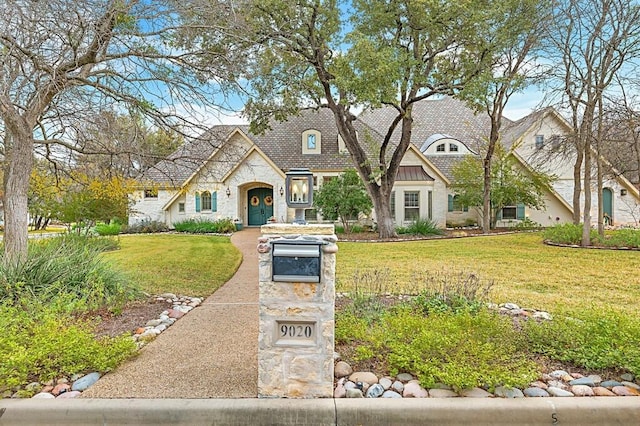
x: 228, y: 192
x: 623, y: 192
x: 299, y: 191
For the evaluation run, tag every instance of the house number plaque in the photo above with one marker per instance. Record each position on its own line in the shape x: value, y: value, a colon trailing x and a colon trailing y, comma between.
x: 296, y: 333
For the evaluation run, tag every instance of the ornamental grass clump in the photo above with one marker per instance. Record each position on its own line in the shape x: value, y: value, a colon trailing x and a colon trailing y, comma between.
x: 71, y: 267
x: 420, y: 226
x: 205, y: 226
x: 448, y: 290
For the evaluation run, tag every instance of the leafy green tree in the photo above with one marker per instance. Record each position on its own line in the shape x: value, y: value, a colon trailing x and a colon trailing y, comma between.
x: 343, y: 197
x: 387, y: 53
x: 511, y: 183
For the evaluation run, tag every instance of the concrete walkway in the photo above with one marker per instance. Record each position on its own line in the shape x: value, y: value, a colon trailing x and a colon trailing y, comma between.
x: 212, y: 352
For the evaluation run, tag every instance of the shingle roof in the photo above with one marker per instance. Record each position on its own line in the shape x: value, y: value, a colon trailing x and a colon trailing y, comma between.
x: 513, y: 130
x: 445, y: 163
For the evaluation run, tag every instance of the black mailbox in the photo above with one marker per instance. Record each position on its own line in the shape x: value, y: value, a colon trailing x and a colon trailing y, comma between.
x: 296, y: 261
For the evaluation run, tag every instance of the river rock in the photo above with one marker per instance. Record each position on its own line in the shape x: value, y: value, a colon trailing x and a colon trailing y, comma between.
x: 506, y: 392
x: 43, y: 395
x: 582, y: 390
x: 600, y: 391
x: 342, y: 369
x: 364, y: 376
x: 391, y: 394
x: 610, y: 384
x: 398, y: 386
x: 596, y: 379
x: 475, y: 393
x: 354, y: 393
x: 554, y: 391
x: 539, y: 384
x: 631, y: 385
x: 375, y: 391
x: 535, y: 392
x: 339, y: 391
x: 385, y: 382
x: 558, y: 374
x: 625, y: 391
x: 404, y: 377
x: 511, y: 306
x: 84, y: 382
x: 442, y: 393
x: 67, y: 395
x: 414, y: 390
x: 583, y: 381
x: 627, y: 377
x: 60, y: 388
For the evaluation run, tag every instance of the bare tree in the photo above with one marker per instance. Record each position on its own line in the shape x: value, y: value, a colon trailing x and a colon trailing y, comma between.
x: 590, y: 42
x: 62, y: 60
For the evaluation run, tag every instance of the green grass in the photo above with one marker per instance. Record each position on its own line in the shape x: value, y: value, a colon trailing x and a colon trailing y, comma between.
x: 525, y: 271
x: 181, y: 264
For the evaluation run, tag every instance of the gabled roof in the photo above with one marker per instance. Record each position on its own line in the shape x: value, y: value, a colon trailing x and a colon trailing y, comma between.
x: 513, y: 132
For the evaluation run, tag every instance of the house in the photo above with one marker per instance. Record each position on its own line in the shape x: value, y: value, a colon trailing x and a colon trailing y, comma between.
x: 228, y: 172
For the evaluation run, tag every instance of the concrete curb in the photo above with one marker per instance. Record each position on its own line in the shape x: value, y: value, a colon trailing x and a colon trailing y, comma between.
x: 452, y: 411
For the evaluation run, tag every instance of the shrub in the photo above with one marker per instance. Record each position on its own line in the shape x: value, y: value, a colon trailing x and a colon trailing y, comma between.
x: 70, y: 267
x: 41, y: 343
x: 527, y: 223
x: 422, y: 226
x: 566, y: 233
x: 623, y: 238
x: 108, y: 229
x: 593, y: 340
x: 205, y: 226
x: 462, y: 350
x: 146, y: 227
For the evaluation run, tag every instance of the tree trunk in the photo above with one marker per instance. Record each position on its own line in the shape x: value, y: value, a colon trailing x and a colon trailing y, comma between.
x: 386, y: 226
x: 577, y: 185
x: 17, y: 170
x: 586, y: 225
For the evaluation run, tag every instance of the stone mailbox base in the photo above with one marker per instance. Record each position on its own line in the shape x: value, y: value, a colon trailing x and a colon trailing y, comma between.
x: 296, y: 339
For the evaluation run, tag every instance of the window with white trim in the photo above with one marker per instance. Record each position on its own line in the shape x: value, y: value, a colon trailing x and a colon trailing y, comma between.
x: 453, y: 147
x: 311, y: 142
x: 411, y: 205
x: 441, y: 148
x: 180, y: 207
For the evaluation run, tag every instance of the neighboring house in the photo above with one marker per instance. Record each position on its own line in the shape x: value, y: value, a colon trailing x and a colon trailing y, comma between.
x: 230, y: 173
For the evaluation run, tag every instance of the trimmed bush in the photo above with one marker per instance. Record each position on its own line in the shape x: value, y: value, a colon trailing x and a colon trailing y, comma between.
x: 566, y: 233
x: 108, y: 229
x: 205, y: 226
x: 146, y: 227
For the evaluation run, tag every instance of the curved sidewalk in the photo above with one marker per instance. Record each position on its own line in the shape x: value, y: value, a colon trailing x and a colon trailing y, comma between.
x: 212, y: 352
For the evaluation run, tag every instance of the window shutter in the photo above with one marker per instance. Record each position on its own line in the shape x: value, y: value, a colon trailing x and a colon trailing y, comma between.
x: 214, y: 201
x: 520, y: 211
x: 198, y: 208
x: 450, y: 202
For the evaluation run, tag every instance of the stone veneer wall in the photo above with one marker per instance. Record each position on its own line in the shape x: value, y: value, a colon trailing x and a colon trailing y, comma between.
x: 296, y: 368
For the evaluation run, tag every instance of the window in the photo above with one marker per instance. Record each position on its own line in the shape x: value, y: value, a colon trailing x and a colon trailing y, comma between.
x: 392, y: 205
x: 311, y: 141
x: 326, y: 179
x: 180, y: 207
x: 411, y: 205
x: 206, y: 201
x: 539, y: 141
x: 512, y: 212
x: 310, y: 215
x: 453, y: 147
x: 440, y: 148
x: 151, y: 193
x: 455, y: 205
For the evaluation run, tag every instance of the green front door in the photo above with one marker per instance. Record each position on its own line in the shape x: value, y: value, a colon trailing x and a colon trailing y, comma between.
x: 260, y: 206
x: 607, y: 206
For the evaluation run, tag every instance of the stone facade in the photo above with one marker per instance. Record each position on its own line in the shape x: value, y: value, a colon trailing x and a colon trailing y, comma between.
x: 296, y: 339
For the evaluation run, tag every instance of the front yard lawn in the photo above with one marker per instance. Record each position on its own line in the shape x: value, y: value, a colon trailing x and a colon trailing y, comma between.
x: 524, y: 270
x: 192, y: 265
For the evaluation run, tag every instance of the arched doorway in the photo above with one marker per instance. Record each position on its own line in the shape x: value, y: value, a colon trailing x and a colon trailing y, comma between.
x: 607, y: 205
x: 260, y: 202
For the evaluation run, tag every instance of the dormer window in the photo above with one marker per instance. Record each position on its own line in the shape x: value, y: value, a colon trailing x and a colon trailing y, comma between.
x: 440, y: 148
x: 311, y: 142
x: 453, y: 147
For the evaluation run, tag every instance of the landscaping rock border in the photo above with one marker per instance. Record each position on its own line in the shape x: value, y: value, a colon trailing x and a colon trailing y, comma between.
x: 72, y: 387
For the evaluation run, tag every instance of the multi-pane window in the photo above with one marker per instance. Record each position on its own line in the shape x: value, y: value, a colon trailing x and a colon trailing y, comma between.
x: 509, y: 212
x: 411, y: 205
x: 453, y: 147
x: 180, y: 207
x: 205, y: 198
x: 539, y: 141
x: 440, y: 148
x: 206, y: 201
x: 392, y: 205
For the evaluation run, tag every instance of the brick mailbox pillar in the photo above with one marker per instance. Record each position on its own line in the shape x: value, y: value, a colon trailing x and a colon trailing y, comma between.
x: 297, y: 302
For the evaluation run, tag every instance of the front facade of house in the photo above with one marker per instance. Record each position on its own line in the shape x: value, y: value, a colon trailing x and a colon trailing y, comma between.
x: 231, y: 173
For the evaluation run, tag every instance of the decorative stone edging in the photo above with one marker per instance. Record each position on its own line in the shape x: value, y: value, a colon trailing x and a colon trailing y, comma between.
x: 554, y: 244
x: 559, y: 383
x: 72, y: 387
